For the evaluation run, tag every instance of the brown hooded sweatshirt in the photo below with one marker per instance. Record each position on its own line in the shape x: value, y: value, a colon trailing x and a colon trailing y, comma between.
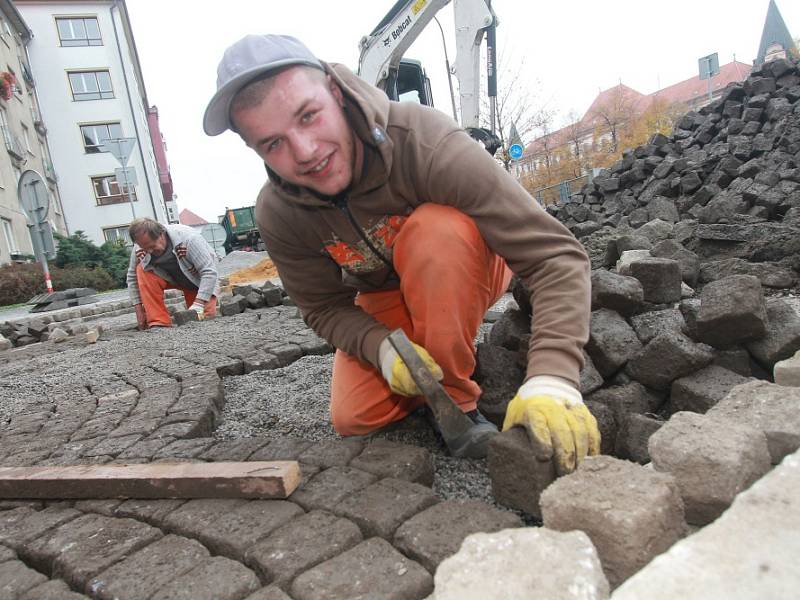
x: 326, y: 251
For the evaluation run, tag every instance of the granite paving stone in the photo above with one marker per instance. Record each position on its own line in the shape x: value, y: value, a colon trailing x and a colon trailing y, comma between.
x: 235, y: 531
x: 272, y: 592
x: 711, y: 460
x: 7, y: 554
x: 143, y: 573
x: 630, y: 513
x: 331, y: 453
x: 191, y: 448
x: 82, y: 548
x: 152, y: 511
x: 218, y: 578
x: 573, y: 570
x: 16, y: 578
x: 380, y: 508
x: 192, y: 518
x: 436, y: 533
x: 328, y: 488
x: 112, y: 446
x: 300, y: 545
x: 146, y: 448
x: 703, y: 389
x: 400, y: 461
x: 105, y: 507
x: 518, y: 478
x: 235, y: 450
x: 373, y: 569
x: 20, y: 525
x: 766, y: 406
x: 52, y: 590
x: 748, y: 553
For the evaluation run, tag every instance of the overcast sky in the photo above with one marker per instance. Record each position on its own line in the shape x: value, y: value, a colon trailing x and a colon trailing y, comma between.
x: 570, y: 50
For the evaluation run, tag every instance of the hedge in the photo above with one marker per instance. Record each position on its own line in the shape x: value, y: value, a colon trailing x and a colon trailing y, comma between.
x: 19, y: 282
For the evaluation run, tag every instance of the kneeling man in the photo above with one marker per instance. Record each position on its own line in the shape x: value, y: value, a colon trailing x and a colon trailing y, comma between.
x: 165, y: 258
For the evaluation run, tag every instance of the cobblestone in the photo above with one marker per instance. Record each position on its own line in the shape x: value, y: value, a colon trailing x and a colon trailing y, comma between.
x: 82, y: 548
x: 380, y: 508
x: 371, y: 569
x: 436, y: 533
x: 300, y: 545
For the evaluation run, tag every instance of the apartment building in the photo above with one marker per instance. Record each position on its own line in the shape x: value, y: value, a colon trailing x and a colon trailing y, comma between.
x: 91, y: 90
x: 24, y: 136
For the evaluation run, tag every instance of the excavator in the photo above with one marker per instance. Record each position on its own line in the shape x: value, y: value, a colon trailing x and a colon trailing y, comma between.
x: 381, y: 59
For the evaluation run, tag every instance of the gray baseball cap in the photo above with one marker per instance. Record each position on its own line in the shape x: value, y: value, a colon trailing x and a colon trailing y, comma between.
x: 248, y: 59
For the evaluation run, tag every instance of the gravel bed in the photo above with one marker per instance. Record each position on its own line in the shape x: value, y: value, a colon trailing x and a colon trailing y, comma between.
x: 294, y: 400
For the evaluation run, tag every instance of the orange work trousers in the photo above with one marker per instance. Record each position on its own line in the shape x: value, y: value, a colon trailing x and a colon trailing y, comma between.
x: 151, y: 290
x: 448, y: 279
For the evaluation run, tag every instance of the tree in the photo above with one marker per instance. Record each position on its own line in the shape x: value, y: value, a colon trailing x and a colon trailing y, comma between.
x: 516, y: 105
x: 77, y: 251
x: 616, y: 112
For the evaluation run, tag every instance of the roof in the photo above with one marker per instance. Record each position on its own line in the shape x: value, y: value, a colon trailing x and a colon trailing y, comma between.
x: 683, y: 91
x: 187, y: 217
x: 687, y: 90
x: 775, y: 32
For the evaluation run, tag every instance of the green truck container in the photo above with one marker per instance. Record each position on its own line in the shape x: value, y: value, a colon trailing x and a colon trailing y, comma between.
x: 240, y: 225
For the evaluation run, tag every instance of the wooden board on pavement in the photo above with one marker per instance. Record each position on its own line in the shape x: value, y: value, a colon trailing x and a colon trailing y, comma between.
x: 264, y: 479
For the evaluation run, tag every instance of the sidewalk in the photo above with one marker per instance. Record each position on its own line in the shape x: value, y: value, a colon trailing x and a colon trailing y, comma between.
x: 19, y: 312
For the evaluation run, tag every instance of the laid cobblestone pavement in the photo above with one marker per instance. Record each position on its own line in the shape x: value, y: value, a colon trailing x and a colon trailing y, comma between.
x: 371, y: 517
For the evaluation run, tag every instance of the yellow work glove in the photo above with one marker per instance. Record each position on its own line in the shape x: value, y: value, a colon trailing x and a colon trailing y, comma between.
x: 200, y: 309
x: 396, y: 373
x: 560, y: 426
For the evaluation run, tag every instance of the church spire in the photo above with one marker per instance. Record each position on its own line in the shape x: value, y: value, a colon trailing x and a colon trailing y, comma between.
x: 776, y: 41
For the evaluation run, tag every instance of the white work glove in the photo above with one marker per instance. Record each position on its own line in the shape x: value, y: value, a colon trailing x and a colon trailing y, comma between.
x: 200, y: 309
x: 557, y: 420
x: 396, y: 373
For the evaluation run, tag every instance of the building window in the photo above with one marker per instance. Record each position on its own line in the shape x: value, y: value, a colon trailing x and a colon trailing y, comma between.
x: 107, y: 190
x: 91, y: 85
x: 8, y: 234
x: 81, y: 31
x: 96, y: 135
x: 26, y: 139
x: 117, y: 234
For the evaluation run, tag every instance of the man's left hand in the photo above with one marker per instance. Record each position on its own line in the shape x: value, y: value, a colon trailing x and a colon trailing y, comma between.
x: 554, y: 414
x: 200, y: 309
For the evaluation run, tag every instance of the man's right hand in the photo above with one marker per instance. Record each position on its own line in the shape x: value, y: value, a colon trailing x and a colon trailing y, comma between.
x: 141, y: 316
x: 557, y: 420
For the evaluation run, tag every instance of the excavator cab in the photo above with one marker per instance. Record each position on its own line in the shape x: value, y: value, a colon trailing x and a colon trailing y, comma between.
x: 411, y: 83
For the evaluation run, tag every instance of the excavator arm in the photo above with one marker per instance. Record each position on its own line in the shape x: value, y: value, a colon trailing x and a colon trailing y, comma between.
x: 381, y: 60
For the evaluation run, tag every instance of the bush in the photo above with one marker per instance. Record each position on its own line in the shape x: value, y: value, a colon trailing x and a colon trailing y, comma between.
x: 78, y: 251
x: 20, y: 282
x: 75, y: 277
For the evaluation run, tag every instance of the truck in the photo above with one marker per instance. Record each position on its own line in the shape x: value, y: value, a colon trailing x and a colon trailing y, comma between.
x: 240, y: 227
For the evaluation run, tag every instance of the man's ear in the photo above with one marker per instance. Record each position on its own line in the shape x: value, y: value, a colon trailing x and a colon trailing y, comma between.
x: 336, y: 91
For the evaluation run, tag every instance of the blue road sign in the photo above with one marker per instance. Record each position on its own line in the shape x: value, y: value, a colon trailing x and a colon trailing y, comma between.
x: 515, y: 151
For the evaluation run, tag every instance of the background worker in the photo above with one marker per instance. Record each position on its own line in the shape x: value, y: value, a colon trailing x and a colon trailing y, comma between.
x: 381, y: 215
x: 165, y: 258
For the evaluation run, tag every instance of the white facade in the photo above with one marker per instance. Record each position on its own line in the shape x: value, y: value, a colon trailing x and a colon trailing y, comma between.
x: 23, y: 141
x: 90, y: 88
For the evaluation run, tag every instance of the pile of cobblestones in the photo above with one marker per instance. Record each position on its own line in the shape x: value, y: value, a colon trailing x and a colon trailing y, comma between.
x: 722, y: 192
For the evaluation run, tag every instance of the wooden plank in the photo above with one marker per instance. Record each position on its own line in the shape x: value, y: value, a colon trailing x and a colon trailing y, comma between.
x: 258, y: 479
